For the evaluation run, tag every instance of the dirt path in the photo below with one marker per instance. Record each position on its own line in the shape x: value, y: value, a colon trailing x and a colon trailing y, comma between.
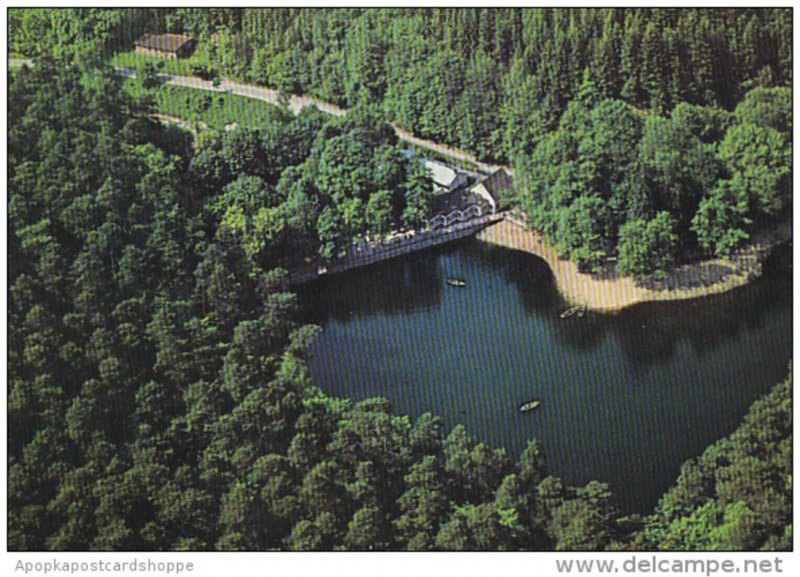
x: 296, y: 103
x: 617, y: 292
x: 448, y: 151
x: 185, y: 124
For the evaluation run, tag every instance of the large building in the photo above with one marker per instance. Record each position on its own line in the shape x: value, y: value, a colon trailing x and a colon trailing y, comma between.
x: 165, y: 45
x: 494, y: 187
x: 445, y: 178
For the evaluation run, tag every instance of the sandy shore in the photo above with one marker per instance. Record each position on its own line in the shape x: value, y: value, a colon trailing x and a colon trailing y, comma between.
x: 611, y: 292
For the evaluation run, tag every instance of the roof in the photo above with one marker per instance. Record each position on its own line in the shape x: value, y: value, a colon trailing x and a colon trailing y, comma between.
x: 441, y: 174
x: 164, y: 42
x: 498, y: 183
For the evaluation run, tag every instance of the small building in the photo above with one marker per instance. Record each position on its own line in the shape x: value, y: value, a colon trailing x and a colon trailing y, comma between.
x: 494, y: 187
x: 165, y: 45
x: 446, y: 179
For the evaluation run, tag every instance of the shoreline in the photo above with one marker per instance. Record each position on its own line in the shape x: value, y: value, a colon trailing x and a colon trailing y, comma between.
x: 612, y: 293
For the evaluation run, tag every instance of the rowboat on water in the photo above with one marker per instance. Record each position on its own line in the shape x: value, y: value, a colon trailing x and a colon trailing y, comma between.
x: 529, y: 406
x: 579, y: 310
x: 456, y: 282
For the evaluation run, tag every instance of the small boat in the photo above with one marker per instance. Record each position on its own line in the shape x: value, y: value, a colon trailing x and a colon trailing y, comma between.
x: 579, y: 310
x: 529, y: 406
x: 456, y: 282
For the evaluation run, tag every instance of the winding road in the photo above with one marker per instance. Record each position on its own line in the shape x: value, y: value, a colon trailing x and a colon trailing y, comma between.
x: 297, y: 103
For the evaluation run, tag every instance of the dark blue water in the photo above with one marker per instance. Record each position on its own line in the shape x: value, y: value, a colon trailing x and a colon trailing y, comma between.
x: 626, y: 398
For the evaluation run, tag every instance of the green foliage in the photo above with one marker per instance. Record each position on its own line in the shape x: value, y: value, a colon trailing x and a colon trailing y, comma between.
x: 646, y: 247
x: 721, y: 218
x: 580, y: 233
x: 138, y: 63
x: 482, y: 80
x: 216, y: 110
x: 582, y: 523
x: 606, y: 182
x: 761, y: 158
x: 677, y: 167
x: 79, y: 35
x: 423, y: 505
x: 707, y: 123
x: 767, y: 108
x: 476, y: 528
x: 379, y: 212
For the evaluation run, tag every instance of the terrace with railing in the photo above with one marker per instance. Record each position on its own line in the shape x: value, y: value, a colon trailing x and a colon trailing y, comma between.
x: 439, y: 229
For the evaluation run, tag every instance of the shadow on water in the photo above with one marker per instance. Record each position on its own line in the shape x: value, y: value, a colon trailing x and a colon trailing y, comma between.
x: 649, y: 332
x: 538, y: 294
x: 403, y: 285
x: 529, y: 274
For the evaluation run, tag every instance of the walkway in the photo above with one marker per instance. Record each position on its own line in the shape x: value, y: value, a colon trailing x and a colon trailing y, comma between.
x: 297, y: 103
x: 19, y: 62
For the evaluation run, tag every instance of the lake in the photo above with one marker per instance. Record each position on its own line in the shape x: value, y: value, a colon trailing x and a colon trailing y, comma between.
x: 626, y: 398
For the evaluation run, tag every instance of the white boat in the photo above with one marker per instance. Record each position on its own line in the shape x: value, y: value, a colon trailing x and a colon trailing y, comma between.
x: 579, y: 310
x: 529, y: 406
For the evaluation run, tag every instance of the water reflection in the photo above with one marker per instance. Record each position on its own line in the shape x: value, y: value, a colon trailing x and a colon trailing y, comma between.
x: 530, y: 275
x: 648, y: 333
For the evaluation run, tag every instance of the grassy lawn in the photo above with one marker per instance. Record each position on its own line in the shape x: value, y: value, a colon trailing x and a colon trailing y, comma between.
x: 216, y: 109
x: 136, y: 62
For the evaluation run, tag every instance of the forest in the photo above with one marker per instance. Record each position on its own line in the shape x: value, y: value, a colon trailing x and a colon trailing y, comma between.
x: 159, y: 396
x: 486, y: 80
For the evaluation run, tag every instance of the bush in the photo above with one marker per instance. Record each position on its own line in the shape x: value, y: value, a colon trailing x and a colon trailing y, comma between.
x: 721, y: 220
x: 203, y: 70
x: 647, y: 247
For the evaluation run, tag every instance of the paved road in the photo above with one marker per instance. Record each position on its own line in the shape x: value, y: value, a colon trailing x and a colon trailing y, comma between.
x: 296, y: 103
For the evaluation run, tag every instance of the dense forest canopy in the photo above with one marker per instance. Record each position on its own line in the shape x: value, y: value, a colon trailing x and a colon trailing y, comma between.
x: 610, y: 181
x: 491, y: 80
x: 158, y: 391
x: 725, y: 499
x: 487, y: 80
